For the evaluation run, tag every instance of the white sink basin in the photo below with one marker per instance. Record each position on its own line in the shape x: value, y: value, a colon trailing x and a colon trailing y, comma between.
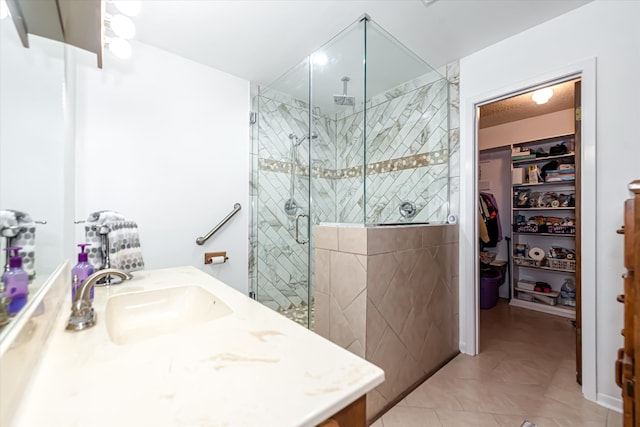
x: 142, y: 315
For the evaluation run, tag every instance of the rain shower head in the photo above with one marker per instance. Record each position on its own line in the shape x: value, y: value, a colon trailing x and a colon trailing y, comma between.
x: 344, y: 99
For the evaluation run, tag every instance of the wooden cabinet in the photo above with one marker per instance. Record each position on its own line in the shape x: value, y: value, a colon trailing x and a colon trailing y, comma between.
x: 627, y: 370
x: 353, y: 415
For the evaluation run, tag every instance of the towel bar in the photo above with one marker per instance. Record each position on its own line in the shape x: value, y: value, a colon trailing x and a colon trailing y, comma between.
x: 201, y: 240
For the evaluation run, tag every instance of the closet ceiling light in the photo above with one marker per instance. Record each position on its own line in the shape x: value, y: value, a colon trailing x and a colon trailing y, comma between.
x: 119, y: 47
x: 128, y: 7
x: 123, y: 26
x: 542, y: 96
x: 4, y: 10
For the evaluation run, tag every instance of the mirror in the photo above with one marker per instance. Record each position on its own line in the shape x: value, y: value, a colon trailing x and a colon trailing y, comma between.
x: 32, y: 135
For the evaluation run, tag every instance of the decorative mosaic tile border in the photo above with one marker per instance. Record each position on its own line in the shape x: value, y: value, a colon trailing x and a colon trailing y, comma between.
x: 409, y: 162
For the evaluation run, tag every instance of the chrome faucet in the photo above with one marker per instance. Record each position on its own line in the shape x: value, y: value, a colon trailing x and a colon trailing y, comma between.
x: 82, y: 313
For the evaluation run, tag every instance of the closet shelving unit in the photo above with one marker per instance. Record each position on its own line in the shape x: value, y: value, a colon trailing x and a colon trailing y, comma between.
x: 552, y: 271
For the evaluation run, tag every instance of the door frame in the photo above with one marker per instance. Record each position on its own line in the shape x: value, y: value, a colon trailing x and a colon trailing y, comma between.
x: 469, y: 272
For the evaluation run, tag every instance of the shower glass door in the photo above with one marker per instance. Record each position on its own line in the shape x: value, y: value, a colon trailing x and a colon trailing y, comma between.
x: 280, y: 235
x: 309, y: 168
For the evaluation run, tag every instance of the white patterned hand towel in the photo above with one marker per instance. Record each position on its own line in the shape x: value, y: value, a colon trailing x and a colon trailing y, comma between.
x: 94, y: 230
x: 125, y: 252
x: 20, y: 228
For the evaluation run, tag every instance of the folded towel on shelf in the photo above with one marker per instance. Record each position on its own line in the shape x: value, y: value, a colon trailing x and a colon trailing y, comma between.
x: 109, y: 229
x: 21, y: 230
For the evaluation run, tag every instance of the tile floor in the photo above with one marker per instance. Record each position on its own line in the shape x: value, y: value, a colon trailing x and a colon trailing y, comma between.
x: 525, y: 371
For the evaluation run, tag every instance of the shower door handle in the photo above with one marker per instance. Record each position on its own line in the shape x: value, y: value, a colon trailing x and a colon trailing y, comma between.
x: 298, y: 229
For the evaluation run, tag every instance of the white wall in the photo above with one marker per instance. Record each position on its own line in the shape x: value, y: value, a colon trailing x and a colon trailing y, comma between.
x: 550, y: 125
x: 165, y: 141
x: 609, y: 31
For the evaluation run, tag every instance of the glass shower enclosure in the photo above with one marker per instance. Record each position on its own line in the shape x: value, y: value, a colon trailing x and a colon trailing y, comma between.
x: 356, y: 133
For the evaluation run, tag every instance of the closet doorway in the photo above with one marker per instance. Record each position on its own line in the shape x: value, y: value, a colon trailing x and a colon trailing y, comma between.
x: 529, y: 209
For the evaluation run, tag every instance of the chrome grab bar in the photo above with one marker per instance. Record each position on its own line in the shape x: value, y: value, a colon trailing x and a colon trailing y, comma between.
x: 297, y: 229
x: 201, y: 240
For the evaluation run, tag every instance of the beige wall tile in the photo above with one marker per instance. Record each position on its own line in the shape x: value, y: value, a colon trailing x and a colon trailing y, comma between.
x: 375, y: 403
x: 322, y: 270
x: 408, y: 375
x: 396, y: 303
x: 348, y: 278
x: 326, y: 237
x: 322, y: 315
x: 414, y: 332
x: 439, y: 306
x: 450, y: 233
x: 379, y: 240
x: 406, y: 238
x: 407, y: 259
x: 432, y: 235
x: 432, y: 354
x: 356, y: 315
x: 340, y: 331
x: 356, y: 348
x: 352, y: 240
x: 455, y: 293
x: 374, y: 329
x: 447, y: 259
x: 380, y: 271
x: 388, y: 356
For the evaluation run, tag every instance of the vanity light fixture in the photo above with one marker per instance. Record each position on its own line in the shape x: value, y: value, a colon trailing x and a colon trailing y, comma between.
x: 128, y: 7
x: 122, y: 25
x: 4, y: 9
x: 119, y: 27
x: 119, y: 47
x: 542, y: 96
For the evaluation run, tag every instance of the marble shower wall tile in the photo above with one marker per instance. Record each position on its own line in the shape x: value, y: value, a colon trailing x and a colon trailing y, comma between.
x: 401, y: 132
x: 279, y: 265
x: 453, y: 77
x: 412, y: 155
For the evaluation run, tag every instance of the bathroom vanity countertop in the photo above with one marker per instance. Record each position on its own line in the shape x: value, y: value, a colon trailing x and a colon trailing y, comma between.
x: 250, y: 368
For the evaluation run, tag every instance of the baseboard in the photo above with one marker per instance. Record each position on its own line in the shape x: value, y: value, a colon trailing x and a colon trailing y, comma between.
x: 609, y: 402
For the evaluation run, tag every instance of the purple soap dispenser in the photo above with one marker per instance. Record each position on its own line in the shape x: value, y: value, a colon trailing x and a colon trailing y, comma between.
x: 81, y: 271
x: 16, y: 282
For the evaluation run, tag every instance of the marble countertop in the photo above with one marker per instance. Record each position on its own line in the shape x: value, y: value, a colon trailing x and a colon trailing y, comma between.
x: 253, y: 367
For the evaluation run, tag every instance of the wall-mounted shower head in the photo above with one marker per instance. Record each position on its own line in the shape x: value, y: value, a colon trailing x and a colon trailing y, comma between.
x: 344, y: 99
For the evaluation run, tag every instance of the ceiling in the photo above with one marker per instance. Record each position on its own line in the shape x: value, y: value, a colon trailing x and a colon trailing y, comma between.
x: 522, y: 106
x: 260, y: 40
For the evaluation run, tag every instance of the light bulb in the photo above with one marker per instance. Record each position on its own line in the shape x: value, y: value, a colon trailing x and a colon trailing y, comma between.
x: 542, y: 96
x: 128, y: 7
x: 123, y: 26
x: 320, y: 58
x: 120, y: 47
x: 4, y: 9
